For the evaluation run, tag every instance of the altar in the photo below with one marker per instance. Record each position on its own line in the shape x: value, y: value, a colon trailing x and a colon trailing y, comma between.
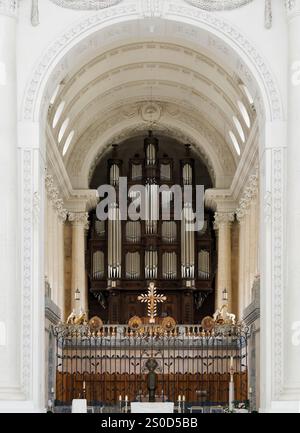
x: 152, y: 407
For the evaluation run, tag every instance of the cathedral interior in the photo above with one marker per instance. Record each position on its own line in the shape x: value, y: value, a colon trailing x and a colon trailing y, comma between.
x: 110, y: 112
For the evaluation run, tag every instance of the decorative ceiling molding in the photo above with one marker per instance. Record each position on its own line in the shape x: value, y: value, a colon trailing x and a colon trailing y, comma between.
x: 218, y: 5
x: 84, y: 153
x: 86, y: 4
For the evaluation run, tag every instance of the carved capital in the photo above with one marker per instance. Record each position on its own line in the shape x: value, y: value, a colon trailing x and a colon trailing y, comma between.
x: 79, y: 219
x: 9, y: 7
x: 223, y: 218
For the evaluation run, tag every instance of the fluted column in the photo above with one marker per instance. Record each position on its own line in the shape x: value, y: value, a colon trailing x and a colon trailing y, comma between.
x: 79, y: 225
x: 10, y: 294
x: 62, y: 216
x: 223, y: 223
x: 241, y: 291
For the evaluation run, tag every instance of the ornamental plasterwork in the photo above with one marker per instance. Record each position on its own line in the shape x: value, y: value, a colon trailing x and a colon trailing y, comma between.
x: 249, y: 194
x: 79, y: 219
x: 290, y: 4
x: 170, y: 112
x: 9, y: 7
x: 54, y: 197
x: 218, y: 5
x: 223, y: 218
x: 86, y: 4
x: 31, y: 97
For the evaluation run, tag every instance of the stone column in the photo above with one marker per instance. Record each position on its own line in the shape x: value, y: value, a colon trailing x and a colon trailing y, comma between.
x: 79, y: 225
x: 62, y: 216
x: 223, y: 222
x: 241, y: 292
x: 10, y: 293
x: 291, y: 301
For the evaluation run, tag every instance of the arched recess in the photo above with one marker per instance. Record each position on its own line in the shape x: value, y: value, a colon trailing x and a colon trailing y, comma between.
x: 187, y: 24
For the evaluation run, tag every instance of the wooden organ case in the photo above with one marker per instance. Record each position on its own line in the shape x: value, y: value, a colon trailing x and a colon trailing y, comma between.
x: 123, y: 256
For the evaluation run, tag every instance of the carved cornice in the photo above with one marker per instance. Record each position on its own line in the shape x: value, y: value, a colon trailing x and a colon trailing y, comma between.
x: 218, y: 5
x: 9, y: 7
x: 249, y: 194
x: 86, y: 4
x: 54, y: 197
x: 219, y: 200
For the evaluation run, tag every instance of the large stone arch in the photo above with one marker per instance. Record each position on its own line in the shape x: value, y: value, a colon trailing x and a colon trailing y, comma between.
x: 272, y: 157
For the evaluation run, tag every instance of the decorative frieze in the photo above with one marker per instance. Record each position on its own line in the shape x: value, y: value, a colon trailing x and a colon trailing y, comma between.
x: 218, y: 5
x: 54, y: 197
x: 268, y: 14
x: 9, y: 7
x: 250, y: 192
x: 86, y: 4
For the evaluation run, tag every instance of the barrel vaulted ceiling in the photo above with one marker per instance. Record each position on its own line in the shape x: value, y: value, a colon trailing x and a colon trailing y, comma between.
x: 128, y: 88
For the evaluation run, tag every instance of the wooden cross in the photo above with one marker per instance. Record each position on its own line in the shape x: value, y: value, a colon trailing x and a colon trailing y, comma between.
x: 152, y: 299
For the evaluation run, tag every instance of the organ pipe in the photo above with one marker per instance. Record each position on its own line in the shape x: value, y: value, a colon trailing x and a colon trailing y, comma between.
x: 187, y: 244
x: 151, y: 262
x: 187, y: 174
x: 114, y: 175
x: 98, y: 265
x: 114, y: 242
x: 133, y: 231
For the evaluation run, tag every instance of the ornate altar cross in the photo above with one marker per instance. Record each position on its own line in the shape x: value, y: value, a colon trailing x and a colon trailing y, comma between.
x: 152, y: 299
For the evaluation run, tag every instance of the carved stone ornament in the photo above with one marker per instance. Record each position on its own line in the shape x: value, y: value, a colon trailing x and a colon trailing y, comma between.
x: 218, y: 5
x: 86, y: 4
x: 9, y: 7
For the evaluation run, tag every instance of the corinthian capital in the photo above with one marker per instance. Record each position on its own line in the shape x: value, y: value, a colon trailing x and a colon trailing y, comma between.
x: 221, y: 218
x: 79, y: 219
x: 9, y: 7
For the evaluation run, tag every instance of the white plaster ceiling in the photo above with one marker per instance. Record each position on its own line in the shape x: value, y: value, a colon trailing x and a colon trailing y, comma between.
x: 193, y: 97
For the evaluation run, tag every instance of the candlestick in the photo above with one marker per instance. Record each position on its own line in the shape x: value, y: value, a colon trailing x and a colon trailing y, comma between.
x: 179, y: 404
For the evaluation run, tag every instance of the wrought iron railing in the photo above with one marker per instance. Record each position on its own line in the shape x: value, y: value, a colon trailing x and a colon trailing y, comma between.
x: 104, y: 365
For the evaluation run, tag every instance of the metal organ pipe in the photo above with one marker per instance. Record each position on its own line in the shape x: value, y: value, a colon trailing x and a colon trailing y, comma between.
x: 114, y: 175
x: 151, y: 157
x: 114, y: 242
x: 187, y: 244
